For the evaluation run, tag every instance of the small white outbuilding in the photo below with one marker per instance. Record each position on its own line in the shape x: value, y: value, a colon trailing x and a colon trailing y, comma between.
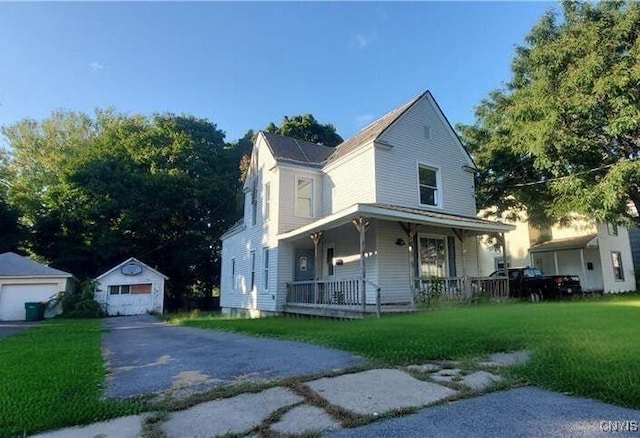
x: 23, y: 280
x: 131, y: 288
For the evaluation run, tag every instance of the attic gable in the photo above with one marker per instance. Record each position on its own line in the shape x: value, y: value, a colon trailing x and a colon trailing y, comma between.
x: 375, y: 130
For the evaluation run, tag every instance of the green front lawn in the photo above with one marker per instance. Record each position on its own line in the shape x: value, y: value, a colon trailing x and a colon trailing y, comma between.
x: 586, y: 348
x: 52, y: 376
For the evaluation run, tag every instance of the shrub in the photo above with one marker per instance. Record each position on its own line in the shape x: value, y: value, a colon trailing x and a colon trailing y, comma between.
x: 80, y: 305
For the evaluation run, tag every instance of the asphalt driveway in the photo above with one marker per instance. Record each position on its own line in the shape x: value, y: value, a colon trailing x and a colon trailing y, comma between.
x: 11, y: 327
x: 145, y: 355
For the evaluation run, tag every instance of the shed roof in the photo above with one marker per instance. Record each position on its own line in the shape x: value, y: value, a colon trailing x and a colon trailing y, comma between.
x: 14, y: 265
x: 566, y: 243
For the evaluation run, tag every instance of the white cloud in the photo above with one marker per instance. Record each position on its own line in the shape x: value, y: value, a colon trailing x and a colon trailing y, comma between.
x: 363, y: 120
x: 362, y: 41
x: 95, y: 66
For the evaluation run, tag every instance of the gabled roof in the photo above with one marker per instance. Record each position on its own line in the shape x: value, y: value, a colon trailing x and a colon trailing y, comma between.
x: 294, y: 151
x: 566, y: 243
x: 373, y: 130
x: 129, y: 260
x: 14, y: 265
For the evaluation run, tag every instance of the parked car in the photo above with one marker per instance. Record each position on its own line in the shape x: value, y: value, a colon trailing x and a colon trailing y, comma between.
x: 530, y: 283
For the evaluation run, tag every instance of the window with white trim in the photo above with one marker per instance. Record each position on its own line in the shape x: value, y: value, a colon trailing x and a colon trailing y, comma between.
x: 233, y: 274
x: 254, y: 205
x: 428, y: 185
x: 253, y: 269
x: 616, y: 261
x: 432, y: 253
x: 304, y: 197
x: 612, y: 229
x: 265, y: 263
x: 123, y: 289
x: 267, y: 200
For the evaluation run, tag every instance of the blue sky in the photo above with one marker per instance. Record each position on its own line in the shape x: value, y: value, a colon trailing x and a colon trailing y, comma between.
x: 243, y: 65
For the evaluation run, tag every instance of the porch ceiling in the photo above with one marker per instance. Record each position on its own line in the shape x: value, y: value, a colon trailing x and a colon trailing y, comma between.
x: 581, y: 242
x: 398, y: 214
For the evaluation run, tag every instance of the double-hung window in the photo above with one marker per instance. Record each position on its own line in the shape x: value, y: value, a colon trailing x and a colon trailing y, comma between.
x: 233, y: 274
x: 304, y: 197
x: 428, y: 185
x: 253, y: 269
x: 616, y: 260
x: 267, y: 200
x: 265, y: 266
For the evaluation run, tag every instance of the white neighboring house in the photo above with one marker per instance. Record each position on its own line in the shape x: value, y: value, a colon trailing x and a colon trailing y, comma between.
x: 600, y: 254
x: 23, y: 280
x: 376, y: 217
x: 131, y: 288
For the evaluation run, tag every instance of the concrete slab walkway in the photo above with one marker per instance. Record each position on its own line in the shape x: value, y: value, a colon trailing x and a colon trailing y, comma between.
x: 327, y: 405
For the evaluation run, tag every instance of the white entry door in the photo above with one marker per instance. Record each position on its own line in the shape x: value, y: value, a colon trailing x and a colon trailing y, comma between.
x: 13, y: 297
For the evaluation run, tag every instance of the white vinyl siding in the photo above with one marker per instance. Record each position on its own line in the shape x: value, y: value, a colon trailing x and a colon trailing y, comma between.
x: 396, y: 179
x: 352, y: 180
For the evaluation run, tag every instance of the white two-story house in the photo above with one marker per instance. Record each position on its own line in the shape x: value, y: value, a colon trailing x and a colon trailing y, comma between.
x: 357, y: 228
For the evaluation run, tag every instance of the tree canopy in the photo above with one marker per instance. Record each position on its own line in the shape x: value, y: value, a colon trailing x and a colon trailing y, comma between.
x: 306, y: 127
x: 94, y: 191
x: 563, y: 136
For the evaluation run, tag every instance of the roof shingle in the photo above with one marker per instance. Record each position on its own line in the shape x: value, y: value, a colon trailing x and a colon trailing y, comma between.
x: 14, y: 265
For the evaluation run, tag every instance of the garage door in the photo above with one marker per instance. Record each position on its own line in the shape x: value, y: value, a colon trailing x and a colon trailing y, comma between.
x: 13, y: 297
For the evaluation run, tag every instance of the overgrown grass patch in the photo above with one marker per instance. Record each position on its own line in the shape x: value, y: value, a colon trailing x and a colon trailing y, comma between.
x: 588, y: 348
x: 52, y: 376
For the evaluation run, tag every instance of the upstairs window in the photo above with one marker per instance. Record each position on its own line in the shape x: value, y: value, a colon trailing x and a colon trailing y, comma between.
x: 428, y: 185
x: 612, y: 229
x: 267, y: 200
x: 304, y: 197
x: 254, y: 205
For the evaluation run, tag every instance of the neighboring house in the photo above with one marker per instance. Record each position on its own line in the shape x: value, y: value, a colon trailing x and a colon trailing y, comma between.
x: 598, y: 253
x: 23, y: 280
x: 324, y: 227
x: 131, y: 288
x: 634, y: 240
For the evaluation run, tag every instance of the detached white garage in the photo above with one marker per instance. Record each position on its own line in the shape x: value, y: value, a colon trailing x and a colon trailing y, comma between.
x: 131, y: 288
x: 23, y: 280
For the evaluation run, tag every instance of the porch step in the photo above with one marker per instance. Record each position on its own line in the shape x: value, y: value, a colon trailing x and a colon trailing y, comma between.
x: 327, y: 312
x: 348, y: 312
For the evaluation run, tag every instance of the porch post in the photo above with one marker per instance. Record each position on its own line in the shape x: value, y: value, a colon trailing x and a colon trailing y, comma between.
x: 503, y: 242
x: 410, y: 231
x: 555, y: 262
x: 315, y: 237
x: 461, y: 235
x: 361, y: 225
x: 584, y: 270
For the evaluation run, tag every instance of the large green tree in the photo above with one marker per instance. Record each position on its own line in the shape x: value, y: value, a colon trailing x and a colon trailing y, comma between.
x: 11, y: 233
x: 96, y: 190
x: 563, y: 136
x: 306, y: 127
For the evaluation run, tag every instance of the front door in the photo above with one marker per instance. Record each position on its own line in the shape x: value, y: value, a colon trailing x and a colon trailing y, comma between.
x: 305, y: 264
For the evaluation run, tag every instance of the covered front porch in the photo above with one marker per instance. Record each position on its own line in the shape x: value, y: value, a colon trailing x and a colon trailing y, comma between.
x: 373, y: 258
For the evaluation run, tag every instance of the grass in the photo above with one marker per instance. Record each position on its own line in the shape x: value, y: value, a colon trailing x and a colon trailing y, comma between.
x: 588, y: 348
x: 52, y: 376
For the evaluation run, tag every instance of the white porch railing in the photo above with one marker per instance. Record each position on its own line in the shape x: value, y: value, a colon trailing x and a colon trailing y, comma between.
x: 342, y: 293
x: 461, y: 288
x: 345, y: 292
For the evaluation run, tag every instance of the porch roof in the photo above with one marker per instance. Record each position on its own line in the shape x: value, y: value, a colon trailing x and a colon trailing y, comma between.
x: 580, y: 242
x: 398, y: 214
